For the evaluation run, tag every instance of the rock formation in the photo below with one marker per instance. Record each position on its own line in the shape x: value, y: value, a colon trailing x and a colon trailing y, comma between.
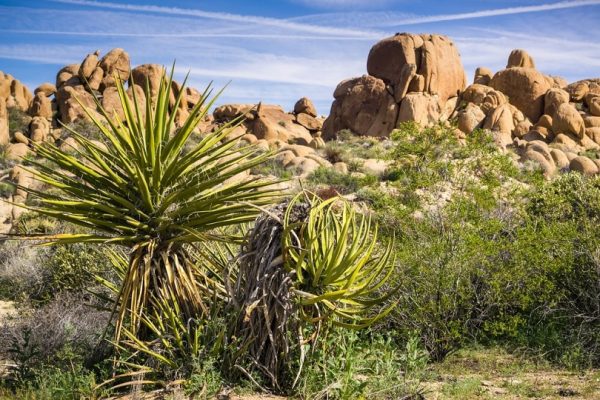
x: 527, y: 110
x: 411, y: 77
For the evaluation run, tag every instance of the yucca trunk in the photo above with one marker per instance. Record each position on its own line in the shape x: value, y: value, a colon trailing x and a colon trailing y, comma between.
x: 267, y: 329
x: 159, y: 273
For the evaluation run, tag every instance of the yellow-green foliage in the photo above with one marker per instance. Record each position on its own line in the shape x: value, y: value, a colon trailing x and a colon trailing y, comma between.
x: 336, y: 263
x: 143, y: 191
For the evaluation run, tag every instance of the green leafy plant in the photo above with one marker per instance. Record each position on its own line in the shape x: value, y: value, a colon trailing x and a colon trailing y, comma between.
x: 308, y: 263
x: 332, y: 257
x: 143, y: 192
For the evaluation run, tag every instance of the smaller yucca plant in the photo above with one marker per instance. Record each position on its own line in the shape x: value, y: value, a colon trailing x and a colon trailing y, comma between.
x: 332, y: 255
x: 307, y: 264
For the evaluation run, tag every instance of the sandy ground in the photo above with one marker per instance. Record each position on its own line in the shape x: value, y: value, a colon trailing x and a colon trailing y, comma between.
x: 497, y: 375
x: 6, y: 308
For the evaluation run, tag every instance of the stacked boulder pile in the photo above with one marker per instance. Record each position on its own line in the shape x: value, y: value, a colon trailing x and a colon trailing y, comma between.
x: 420, y: 78
x: 13, y: 95
x: 79, y: 87
x: 410, y: 78
x: 542, y: 118
x: 295, y: 136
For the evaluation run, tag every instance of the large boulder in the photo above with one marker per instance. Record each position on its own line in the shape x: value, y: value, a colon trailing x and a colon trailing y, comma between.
x: 578, y: 90
x: 111, y: 102
x: 115, y: 63
x: 309, y: 122
x: 88, y: 66
x: 4, y: 133
x: 501, y: 123
x: 470, y: 118
x: 231, y: 111
x: 525, y: 88
x: 21, y: 95
x: 362, y: 105
x: 5, y: 82
x: 66, y: 73
x: 567, y: 120
x: 148, y: 74
x: 583, y: 165
x: 39, y: 129
x: 475, y: 93
x: 553, y: 99
x: 594, y: 105
x: 71, y: 101
x: 520, y: 58
x: 422, y: 108
x: 434, y: 57
x: 305, y: 106
x: 46, y: 88
x: 275, y: 125
x: 483, y: 76
x: 41, y: 106
x: 17, y: 151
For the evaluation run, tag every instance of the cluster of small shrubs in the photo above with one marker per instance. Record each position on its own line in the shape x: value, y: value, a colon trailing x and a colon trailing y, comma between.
x: 508, y: 259
x: 516, y: 266
x: 18, y: 120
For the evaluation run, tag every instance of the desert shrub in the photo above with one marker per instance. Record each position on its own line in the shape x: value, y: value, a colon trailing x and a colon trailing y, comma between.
x: 335, y: 152
x: 20, y: 269
x: 342, y: 183
x: 66, y: 331
x: 18, y: 120
x: 353, y: 365
x: 445, y: 261
x: 272, y: 167
x: 85, y: 128
x: 205, y: 380
x: 51, y: 383
x: 523, y: 271
x: 37, y: 274
x: 71, y: 268
x: 6, y: 189
x: 548, y: 291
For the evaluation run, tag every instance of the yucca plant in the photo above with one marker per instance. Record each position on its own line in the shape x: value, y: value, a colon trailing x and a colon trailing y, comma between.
x: 307, y: 264
x: 332, y: 256
x: 142, y: 189
x: 176, y: 344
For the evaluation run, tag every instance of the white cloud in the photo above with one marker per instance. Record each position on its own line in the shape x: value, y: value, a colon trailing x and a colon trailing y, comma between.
x: 188, y: 35
x: 245, y: 19
x: 561, y: 5
x: 337, y: 4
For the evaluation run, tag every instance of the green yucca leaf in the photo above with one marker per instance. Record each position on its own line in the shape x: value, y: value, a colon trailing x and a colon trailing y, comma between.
x: 334, y: 258
x: 139, y: 188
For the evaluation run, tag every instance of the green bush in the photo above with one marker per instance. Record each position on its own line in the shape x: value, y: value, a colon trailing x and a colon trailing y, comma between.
x: 38, y: 274
x: 85, y: 128
x: 18, y: 120
x: 365, y: 365
x: 6, y: 189
x: 342, y: 183
x: 445, y: 263
x: 51, y: 383
x: 548, y: 290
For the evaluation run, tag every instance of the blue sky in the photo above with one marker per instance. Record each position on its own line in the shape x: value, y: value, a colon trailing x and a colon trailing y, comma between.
x: 277, y: 51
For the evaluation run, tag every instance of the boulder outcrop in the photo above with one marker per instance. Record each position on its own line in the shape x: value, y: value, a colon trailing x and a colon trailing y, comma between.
x: 405, y: 68
x: 362, y: 105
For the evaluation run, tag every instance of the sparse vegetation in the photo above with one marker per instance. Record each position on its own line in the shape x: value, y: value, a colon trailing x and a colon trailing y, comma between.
x: 18, y: 120
x: 496, y: 275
